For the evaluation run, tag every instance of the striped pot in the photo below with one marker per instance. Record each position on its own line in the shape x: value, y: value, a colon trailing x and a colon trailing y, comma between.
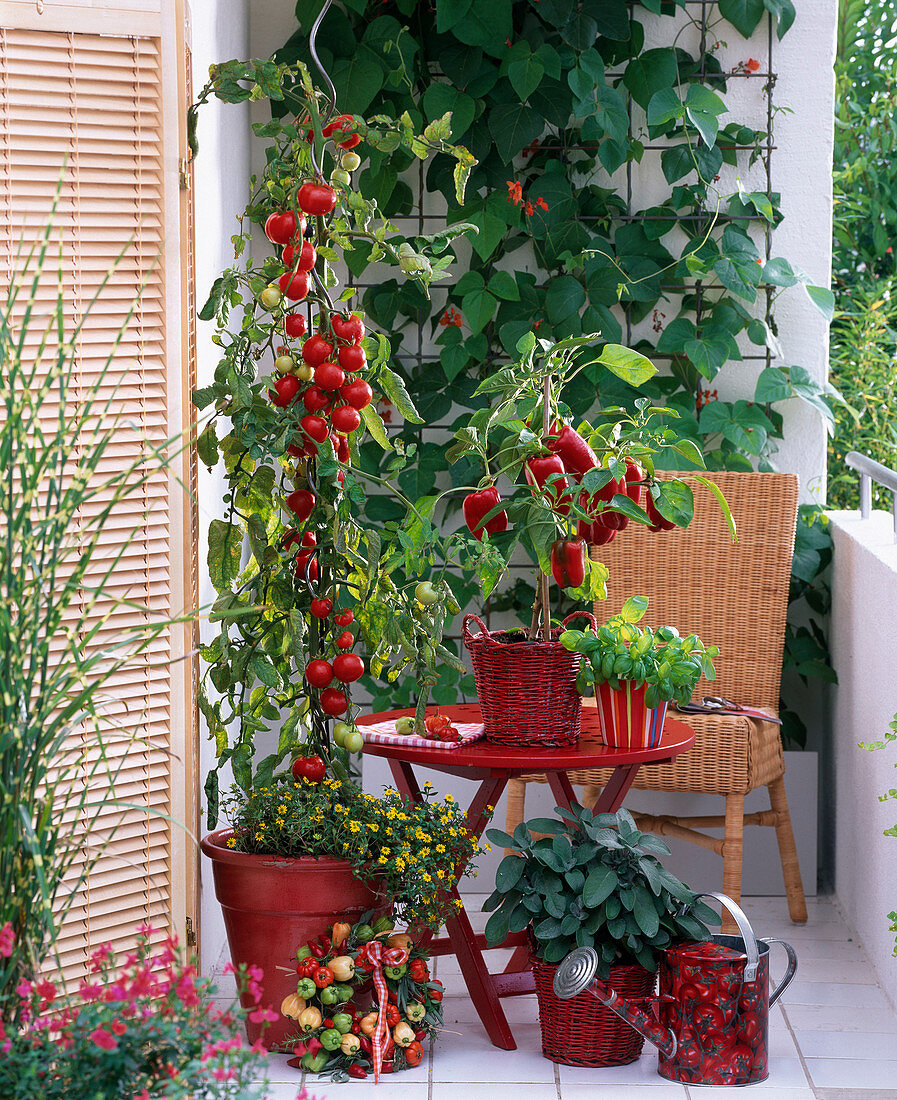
x: 625, y: 721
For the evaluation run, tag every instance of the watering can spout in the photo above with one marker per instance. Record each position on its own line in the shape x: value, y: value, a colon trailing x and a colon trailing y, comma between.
x: 576, y: 974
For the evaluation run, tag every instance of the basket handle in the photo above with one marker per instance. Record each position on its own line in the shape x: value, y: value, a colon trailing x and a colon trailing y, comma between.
x: 484, y: 630
x: 593, y: 622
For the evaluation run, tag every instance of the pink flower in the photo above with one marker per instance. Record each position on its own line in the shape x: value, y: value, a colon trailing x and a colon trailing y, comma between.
x: 100, y: 956
x: 7, y: 940
x: 103, y: 1039
x: 222, y: 1074
x: 118, y: 1026
x: 262, y: 1014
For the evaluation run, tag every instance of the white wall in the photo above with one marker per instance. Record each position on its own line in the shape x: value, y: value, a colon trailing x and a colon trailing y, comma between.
x: 220, y: 32
x: 864, y: 644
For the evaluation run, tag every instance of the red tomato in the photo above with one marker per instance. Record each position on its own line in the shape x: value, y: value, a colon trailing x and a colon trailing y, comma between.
x: 294, y: 324
x: 393, y: 1016
x: 345, y: 419
x: 346, y: 640
x: 316, y: 350
x: 321, y: 607
x: 352, y: 358
x: 314, y: 399
x: 342, y: 450
x: 323, y: 975
x: 329, y: 376
x: 306, y: 565
x: 300, y: 259
x: 316, y: 198
x: 283, y: 227
x: 315, y: 427
x: 344, y: 618
x: 294, y: 285
x: 319, y: 673
x: 347, y: 327
x: 286, y: 390
x: 348, y: 667
x: 301, y: 502
x: 436, y: 722
x: 357, y: 393
x: 414, y: 1052
x: 333, y: 701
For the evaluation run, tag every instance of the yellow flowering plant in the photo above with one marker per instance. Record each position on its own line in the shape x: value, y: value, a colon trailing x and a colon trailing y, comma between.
x: 413, y: 852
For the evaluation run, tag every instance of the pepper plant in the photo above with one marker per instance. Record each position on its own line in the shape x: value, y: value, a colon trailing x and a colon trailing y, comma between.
x: 564, y: 104
x: 292, y: 399
x: 667, y: 663
x: 593, y: 881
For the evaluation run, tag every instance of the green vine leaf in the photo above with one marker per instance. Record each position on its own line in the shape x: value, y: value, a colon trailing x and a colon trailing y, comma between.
x: 744, y: 15
x: 394, y: 388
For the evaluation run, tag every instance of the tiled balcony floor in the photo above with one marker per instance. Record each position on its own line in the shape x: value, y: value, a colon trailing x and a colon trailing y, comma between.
x: 833, y: 1035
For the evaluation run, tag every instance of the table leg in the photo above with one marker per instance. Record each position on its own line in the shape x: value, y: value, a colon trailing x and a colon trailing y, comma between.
x: 611, y: 798
x: 477, y: 978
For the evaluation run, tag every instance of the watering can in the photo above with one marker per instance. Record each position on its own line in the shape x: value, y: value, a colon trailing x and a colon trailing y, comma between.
x: 710, y: 1022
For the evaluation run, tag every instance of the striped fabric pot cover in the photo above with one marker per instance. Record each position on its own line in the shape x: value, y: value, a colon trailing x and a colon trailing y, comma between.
x: 625, y: 721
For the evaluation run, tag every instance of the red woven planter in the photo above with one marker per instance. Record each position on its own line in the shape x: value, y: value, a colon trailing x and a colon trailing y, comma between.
x: 526, y: 690
x: 581, y: 1031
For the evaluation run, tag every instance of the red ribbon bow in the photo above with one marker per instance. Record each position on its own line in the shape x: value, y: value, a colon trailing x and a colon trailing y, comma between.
x: 375, y: 956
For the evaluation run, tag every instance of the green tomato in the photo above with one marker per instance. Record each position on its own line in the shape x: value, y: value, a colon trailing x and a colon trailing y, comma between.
x: 315, y: 1062
x: 340, y: 176
x: 364, y: 933
x: 306, y: 988
x: 353, y: 742
x: 396, y: 972
x: 340, y: 731
x: 404, y: 726
x: 270, y: 297
x: 349, y: 160
x: 303, y: 953
x: 284, y: 363
x: 426, y: 593
x: 329, y: 995
x: 345, y: 992
x: 331, y: 1038
x: 342, y: 1021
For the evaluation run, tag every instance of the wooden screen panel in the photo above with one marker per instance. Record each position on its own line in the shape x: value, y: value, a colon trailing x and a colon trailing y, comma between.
x: 95, y: 102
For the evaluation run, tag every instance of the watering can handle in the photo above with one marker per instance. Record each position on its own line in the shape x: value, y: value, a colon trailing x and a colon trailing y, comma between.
x: 789, y: 973
x: 747, y: 934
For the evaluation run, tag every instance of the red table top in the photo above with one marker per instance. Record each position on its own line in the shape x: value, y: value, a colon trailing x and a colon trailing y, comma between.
x: 485, y: 758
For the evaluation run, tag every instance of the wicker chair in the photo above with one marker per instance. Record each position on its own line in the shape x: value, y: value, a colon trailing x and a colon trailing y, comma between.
x: 733, y: 596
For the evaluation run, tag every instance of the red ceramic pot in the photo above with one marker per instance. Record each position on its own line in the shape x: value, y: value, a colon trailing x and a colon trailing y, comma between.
x: 625, y: 721
x: 274, y: 904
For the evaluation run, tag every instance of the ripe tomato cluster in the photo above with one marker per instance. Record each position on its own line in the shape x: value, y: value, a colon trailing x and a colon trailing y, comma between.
x: 335, y: 1036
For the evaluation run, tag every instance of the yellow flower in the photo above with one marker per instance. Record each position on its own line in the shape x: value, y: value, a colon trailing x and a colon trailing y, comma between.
x: 400, y: 864
x: 373, y: 826
x: 232, y: 843
x: 387, y: 851
x: 440, y: 848
x: 279, y: 821
x: 354, y: 827
x: 427, y: 877
x: 449, y: 798
x: 441, y: 873
x: 259, y: 836
x: 281, y: 809
x: 488, y: 847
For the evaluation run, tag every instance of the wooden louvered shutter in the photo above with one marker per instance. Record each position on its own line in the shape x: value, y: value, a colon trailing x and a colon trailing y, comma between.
x: 102, y: 89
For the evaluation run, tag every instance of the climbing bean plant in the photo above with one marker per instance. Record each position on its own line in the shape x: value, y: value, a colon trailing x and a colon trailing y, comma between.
x: 562, y: 102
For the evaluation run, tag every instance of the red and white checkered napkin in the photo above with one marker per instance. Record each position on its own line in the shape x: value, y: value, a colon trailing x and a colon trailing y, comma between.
x: 384, y: 733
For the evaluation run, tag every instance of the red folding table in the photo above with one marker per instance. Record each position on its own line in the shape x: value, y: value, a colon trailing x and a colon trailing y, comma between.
x: 493, y: 766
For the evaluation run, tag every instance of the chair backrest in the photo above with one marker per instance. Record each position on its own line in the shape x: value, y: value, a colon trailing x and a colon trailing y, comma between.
x: 733, y: 595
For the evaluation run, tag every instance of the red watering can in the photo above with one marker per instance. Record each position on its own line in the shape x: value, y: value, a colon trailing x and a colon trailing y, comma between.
x: 710, y: 1022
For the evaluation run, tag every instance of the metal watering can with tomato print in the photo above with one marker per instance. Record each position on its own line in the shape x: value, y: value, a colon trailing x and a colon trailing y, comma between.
x: 710, y: 1022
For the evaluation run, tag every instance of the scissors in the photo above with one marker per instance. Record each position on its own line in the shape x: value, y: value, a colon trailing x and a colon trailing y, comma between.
x: 717, y: 704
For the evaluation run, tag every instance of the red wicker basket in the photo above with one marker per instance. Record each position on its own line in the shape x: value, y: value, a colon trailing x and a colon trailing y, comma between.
x: 527, y: 690
x: 581, y: 1031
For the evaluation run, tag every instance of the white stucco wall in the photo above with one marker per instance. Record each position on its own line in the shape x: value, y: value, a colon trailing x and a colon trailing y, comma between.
x: 220, y: 31
x: 864, y: 644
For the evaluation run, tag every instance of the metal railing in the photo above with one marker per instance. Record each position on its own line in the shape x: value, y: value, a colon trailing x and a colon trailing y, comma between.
x: 869, y: 471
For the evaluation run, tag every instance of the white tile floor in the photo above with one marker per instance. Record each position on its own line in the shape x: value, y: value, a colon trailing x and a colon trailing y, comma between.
x: 833, y: 1035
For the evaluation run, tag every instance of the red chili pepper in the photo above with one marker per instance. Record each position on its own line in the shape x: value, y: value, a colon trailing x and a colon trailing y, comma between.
x: 317, y: 950
x: 478, y: 504
x: 366, y: 1045
x: 568, y: 562
x: 324, y: 941
x: 577, y: 456
x: 658, y: 523
x: 357, y: 1072
x: 420, y: 1035
x: 538, y: 470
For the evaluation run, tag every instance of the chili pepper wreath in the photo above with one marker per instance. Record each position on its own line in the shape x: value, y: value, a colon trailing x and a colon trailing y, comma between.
x: 336, y: 1035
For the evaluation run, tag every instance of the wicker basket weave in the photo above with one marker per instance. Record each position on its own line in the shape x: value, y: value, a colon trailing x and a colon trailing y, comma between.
x: 581, y: 1031
x: 527, y: 690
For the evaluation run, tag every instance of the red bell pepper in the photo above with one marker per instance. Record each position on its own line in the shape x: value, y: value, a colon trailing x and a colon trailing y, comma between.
x: 568, y: 562
x: 539, y: 469
x: 577, y: 456
x: 478, y: 504
x: 634, y: 475
x: 658, y: 523
x: 596, y: 534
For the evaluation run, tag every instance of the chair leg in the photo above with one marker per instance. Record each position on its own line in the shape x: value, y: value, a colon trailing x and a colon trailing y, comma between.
x: 732, y: 852
x: 516, y: 789
x: 797, y: 903
x: 590, y: 795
